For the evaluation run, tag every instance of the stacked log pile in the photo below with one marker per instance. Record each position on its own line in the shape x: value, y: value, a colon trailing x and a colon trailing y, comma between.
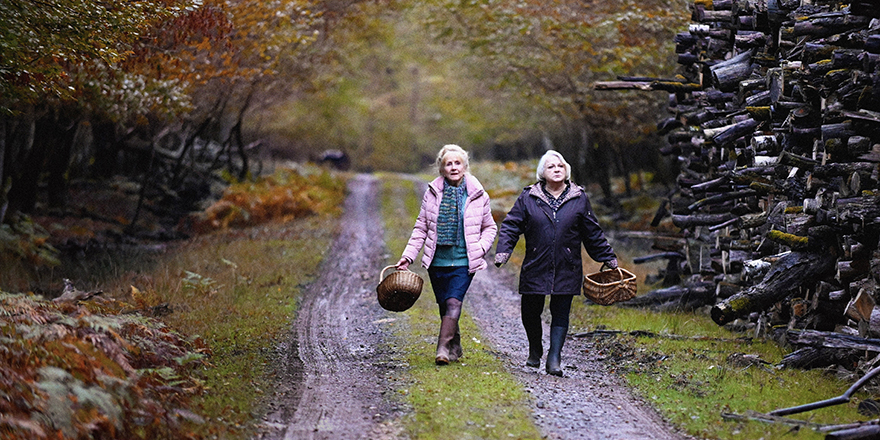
x: 776, y: 127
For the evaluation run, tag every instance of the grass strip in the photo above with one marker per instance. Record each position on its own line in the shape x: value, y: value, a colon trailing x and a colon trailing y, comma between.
x: 471, y: 399
x: 702, y: 371
x: 238, y: 290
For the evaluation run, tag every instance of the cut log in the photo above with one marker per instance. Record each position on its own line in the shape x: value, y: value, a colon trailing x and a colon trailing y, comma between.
x: 861, y: 307
x: 795, y: 242
x: 718, y: 198
x: 794, y: 160
x: 687, y: 221
x: 858, y: 209
x: 808, y: 358
x: 815, y: 338
x: 678, y: 298
x: 735, y: 132
x: 844, y: 169
x: 851, y: 269
x: 829, y: 25
x: 726, y: 75
x: 786, y: 274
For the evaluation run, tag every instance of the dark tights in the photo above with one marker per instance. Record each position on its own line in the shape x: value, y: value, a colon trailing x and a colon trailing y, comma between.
x: 451, y: 308
x: 533, y: 305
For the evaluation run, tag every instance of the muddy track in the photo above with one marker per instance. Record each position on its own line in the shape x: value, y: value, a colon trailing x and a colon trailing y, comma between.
x: 334, y: 374
x: 331, y: 383
x: 588, y: 402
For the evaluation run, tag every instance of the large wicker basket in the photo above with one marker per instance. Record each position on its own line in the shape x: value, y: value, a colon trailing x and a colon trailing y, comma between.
x: 400, y: 290
x: 610, y: 286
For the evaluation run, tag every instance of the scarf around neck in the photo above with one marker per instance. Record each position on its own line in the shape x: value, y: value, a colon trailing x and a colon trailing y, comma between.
x: 449, y: 220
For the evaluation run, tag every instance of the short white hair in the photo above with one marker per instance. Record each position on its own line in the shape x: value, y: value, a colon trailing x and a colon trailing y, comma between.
x: 543, y: 162
x: 451, y: 149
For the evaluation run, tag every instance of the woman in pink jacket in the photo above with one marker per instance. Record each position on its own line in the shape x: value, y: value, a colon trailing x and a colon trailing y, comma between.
x: 456, y: 229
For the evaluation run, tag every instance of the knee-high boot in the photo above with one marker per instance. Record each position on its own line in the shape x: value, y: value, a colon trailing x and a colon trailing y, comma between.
x: 455, y: 351
x: 447, y: 332
x: 554, y: 355
x: 536, y: 346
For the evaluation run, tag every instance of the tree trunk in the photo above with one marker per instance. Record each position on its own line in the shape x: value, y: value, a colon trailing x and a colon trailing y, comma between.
x: 4, y: 201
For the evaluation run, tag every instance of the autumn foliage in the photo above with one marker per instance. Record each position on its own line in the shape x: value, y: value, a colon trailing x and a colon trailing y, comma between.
x: 68, y: 371
x: 283, y: 196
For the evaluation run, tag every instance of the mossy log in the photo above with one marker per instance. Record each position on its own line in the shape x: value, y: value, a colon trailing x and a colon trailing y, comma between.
x: 795, y: 242
x: 791, y: 159
x: 786, y: 274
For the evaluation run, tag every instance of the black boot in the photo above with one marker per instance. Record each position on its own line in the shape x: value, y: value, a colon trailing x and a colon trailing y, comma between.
x: 447, y: 332
x: 536, y: 347
x: 554, y: 355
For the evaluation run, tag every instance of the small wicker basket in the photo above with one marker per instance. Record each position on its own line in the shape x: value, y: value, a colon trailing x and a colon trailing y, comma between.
x: 400, y: 290
x: 610, y: 286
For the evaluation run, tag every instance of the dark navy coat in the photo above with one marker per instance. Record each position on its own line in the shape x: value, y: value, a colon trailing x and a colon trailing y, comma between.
x: 552, y: 263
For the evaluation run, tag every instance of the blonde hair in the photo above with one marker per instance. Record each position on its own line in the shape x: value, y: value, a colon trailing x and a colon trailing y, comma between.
x: 539, y: 173
x: 454, y: 149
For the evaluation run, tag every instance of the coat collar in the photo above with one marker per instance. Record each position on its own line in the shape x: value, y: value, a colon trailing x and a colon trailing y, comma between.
x: 474, y: 187
x: 536, y: 191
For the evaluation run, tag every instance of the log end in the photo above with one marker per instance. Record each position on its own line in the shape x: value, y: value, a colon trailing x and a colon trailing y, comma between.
x: 722, y: 314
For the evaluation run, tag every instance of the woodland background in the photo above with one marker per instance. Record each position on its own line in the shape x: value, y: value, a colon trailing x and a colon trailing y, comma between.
x: 138, y: 124
x: 173, y: 96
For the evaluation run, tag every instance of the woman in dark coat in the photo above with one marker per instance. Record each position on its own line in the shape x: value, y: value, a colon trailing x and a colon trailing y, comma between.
x: 555, y: 217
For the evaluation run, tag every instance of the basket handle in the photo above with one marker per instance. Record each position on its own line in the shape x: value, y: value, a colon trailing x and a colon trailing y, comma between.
x: 616, y: 268
x: 623, y: 276
x: 382, y: 275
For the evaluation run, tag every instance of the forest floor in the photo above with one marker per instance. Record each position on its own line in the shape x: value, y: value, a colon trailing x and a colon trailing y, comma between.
x: 337, y: 371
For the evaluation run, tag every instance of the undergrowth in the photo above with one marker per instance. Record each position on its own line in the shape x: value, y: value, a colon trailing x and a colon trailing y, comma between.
x: 86, y: 371
x: 180, y: 343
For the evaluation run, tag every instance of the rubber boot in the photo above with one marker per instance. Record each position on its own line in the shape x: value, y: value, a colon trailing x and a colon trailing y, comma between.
x: 447, y: 332
x: 536, y: 346
x: 455, y: 351
x: 554, y: 355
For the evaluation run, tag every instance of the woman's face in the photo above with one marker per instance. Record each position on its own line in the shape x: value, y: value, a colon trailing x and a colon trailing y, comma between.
x: 554, y: 170
x: 453, y: 168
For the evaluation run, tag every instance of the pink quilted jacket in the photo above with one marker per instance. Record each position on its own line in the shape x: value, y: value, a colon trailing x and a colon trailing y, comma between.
x: 479, y: 226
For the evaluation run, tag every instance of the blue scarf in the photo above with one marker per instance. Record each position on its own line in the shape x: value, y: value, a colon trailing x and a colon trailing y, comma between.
x: 449, y: 221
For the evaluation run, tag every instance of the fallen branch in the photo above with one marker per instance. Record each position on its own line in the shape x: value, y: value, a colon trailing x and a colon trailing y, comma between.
x: 843, y: 398
x: 768, y: 418
x: 650, y: 334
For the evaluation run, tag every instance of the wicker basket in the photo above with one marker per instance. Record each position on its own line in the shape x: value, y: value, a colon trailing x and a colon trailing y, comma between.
x: 398, y: 291
x: 610, y: 286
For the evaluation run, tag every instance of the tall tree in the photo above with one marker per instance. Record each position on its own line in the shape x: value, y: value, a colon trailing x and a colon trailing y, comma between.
x: 554, y: 51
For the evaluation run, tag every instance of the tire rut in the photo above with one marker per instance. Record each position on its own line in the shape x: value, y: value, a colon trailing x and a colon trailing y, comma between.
x: 331, y: 383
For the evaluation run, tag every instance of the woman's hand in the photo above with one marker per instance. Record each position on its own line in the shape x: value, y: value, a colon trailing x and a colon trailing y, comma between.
x: 403, y: 264
x: 610, y: 264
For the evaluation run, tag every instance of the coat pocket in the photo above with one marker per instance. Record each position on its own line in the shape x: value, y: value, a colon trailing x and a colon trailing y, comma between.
x: 571, y: 258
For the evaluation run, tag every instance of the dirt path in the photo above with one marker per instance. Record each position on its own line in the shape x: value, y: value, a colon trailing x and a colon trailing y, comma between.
x: 332, y: 380
x: 335, y: 373
x: 588, y: 403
